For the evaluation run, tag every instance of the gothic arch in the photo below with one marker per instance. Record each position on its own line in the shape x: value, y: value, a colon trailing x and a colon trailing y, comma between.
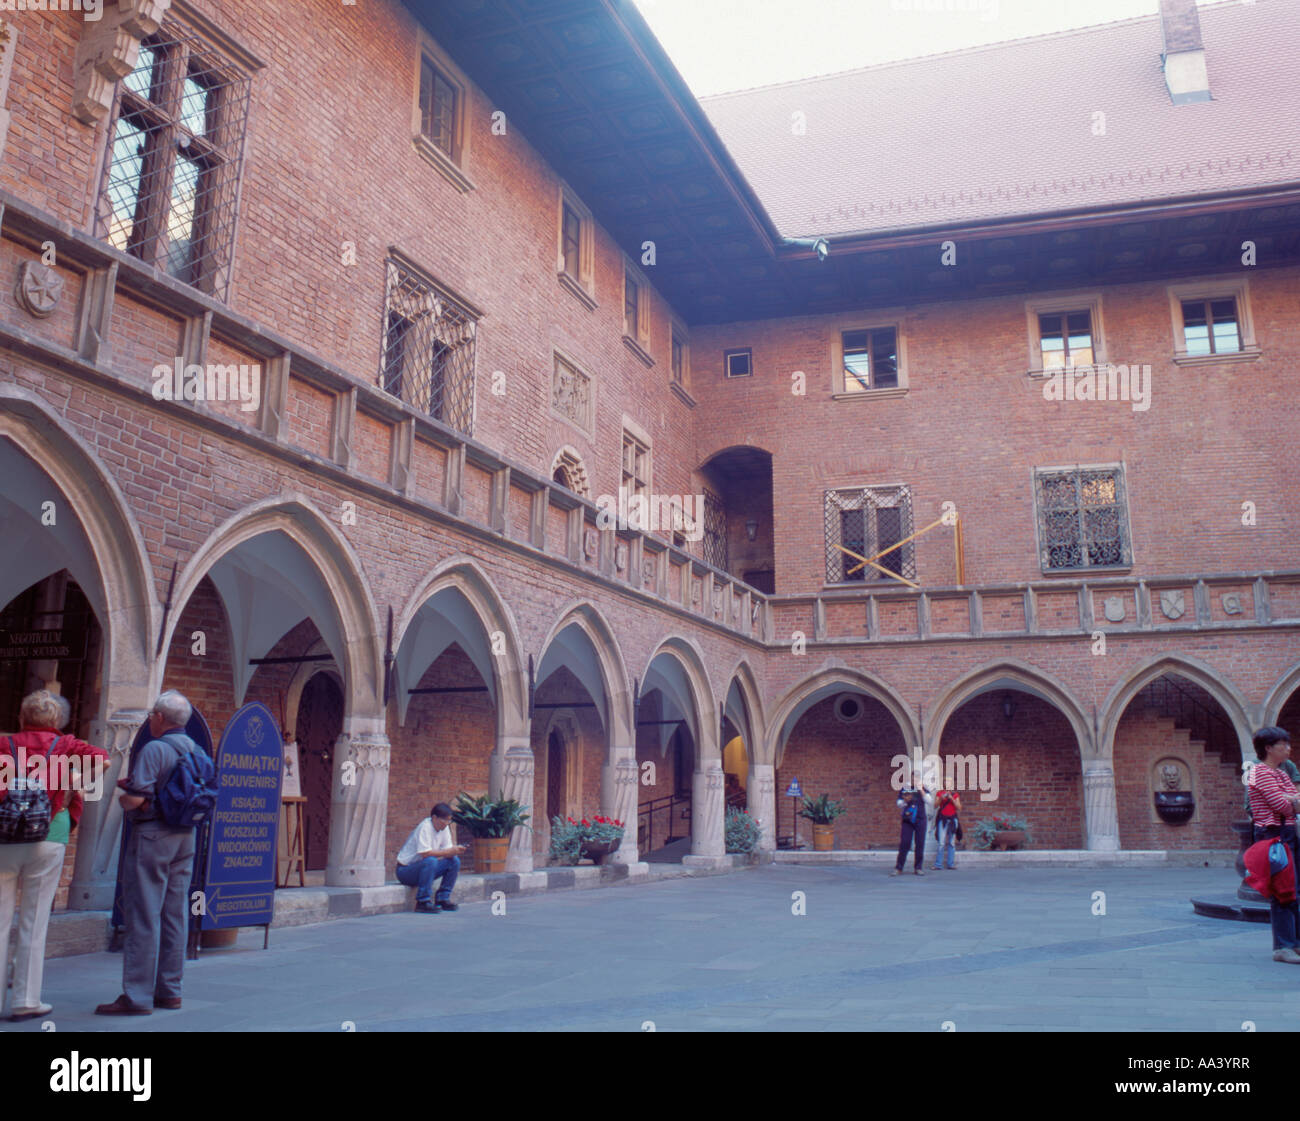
x: 687, y: 656
x: 824, y: 683
x: 1278, y: 696
x: 742, y: 677
x: 121, y: 589
x: 569, y: 460
x: 609, y: 660
x: 505, y: 672
x: 1202, y: 673
x: 1013, y: 674
x: 351, y: 621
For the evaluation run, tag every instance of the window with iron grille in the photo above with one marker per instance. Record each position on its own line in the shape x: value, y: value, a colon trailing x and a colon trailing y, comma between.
x: 428, y: 355
x: 1082, y: 518
x: 171, y: 179
x: 715, y: 531
x: 867, y: 520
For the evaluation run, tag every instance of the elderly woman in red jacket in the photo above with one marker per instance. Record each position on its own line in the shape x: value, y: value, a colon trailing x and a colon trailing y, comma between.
x: 40, y: 754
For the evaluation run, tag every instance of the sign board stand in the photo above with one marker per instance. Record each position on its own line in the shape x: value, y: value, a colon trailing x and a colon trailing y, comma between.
x: 294, y: 857
x: 239, y: 862
x: 795, y: 792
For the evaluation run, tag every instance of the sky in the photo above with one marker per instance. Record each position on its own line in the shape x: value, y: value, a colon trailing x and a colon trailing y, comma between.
x: 785, y: 40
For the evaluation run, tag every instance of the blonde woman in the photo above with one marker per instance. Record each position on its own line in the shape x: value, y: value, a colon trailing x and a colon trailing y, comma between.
x: 38, y: 753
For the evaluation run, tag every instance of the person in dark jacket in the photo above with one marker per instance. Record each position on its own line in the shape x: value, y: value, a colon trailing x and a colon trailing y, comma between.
x: 911, y: 801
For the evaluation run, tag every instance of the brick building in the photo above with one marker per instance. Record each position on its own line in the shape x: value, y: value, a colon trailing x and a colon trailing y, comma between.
x: 455, y: 276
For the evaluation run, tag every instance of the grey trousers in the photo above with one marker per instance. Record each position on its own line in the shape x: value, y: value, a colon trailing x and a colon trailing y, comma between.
x: 155, y: 891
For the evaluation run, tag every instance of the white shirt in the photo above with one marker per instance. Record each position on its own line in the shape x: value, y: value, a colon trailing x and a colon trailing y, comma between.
x: 424, y: 838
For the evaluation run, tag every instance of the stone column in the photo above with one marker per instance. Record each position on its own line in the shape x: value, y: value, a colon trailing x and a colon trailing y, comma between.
x: 618, y: 798
x: 1099, y: 806
x: 511, y: 775
x: 706, y: 813
x: 359, y: 805
x: 99, y: 835
x: 762, y: 802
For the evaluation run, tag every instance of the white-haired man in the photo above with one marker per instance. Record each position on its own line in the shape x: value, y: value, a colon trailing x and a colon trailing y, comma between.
x: 159, y: 861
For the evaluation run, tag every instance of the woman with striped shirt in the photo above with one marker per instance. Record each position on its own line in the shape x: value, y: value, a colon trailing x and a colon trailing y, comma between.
x: 1273, y: 804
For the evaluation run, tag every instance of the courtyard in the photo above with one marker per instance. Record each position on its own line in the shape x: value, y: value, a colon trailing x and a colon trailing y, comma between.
x: 971, y: 950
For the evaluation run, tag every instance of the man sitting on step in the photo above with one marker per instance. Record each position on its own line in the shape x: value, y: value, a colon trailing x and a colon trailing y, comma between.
x: 430, y: 854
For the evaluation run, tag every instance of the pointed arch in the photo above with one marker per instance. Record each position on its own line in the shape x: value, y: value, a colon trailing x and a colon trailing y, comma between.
x: 1229, y: 697
x: 1287, y: 684
x: 351, y: 631
x: 707, y: 720
x: 504, y: 672
x: 825, y: 682
x: 745, y: 684
x: 1010, y: 673
x: 121, y: 588
x: 608, y: 660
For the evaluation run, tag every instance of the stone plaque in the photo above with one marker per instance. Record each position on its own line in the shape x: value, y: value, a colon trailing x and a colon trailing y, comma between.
x: 1114, y: 609
x: 1172, y: 605
x: 39, y: 289
x: 591, y: 543
x: 1231, y: 604
x: 620, y: 556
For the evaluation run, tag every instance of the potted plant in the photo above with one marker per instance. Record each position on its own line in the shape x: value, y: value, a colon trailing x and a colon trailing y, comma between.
x: 740, y: 831
x: 1007, y: 832
x: 822, y: 812
x: 490, y: 822
x: 597, y: 838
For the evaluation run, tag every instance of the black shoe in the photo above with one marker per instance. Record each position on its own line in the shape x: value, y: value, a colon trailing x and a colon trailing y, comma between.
x: 448, y: 905
x: 426, y: 908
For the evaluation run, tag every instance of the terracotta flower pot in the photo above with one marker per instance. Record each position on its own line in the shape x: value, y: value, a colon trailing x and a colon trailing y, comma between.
x: 490, y: 854
x: 823, y: 838
x: 1008, y: 839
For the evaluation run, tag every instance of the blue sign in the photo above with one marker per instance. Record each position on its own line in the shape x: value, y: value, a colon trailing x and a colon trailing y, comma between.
x: 794, y: 790
x: 240, y: 887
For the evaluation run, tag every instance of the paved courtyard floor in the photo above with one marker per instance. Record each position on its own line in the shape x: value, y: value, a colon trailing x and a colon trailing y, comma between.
x: 980, y: 950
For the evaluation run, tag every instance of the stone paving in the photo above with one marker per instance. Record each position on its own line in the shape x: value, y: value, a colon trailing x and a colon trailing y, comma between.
x: 984, y: 949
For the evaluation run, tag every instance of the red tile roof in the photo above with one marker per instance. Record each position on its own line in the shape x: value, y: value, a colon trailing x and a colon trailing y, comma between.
x: 1000, y: 131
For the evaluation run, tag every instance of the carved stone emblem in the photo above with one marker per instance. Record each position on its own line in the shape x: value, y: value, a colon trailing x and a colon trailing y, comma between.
x: 1114, y: 609
x: 1231, y: 604
x: 1170, y: 776
x: 696, y: 591
x: 571, y: 393
x: 620, y: 556
x: 39, y: 289
x: 648, y: 570
x: 591, y: 543
x: 1172, y: 604
x: 717, y: 601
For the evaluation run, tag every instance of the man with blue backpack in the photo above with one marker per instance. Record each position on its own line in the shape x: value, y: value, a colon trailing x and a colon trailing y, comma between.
x: 170, y: 788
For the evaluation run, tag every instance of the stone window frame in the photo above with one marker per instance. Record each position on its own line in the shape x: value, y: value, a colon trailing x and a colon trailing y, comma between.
x: 451, y: 165
x: 181, y: 35
x: 636, y: 336
x: 636, y: 434
x: 1119, y: 469
x: 587, y: 424
x: 583, y: 285
x: 840, y: 499
x: 875, y: 322
x: 1213, y: 288
x: 1090, y: 302
x: 679, y: 378
x: 402, y: 273
x: 570, y: 461
x: 726, y: 362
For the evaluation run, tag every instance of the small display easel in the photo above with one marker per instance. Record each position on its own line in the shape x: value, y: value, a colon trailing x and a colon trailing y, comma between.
x: 292, y: 855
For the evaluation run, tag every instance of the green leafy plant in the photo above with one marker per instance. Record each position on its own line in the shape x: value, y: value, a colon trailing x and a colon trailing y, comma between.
x: 488, y: 817
x: 568, y: 836
x: 740, y: 831
x: 821, y: 811
x: 987, y: 827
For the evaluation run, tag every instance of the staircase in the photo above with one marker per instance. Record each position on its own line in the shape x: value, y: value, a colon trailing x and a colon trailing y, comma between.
x: 1187, y: 708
